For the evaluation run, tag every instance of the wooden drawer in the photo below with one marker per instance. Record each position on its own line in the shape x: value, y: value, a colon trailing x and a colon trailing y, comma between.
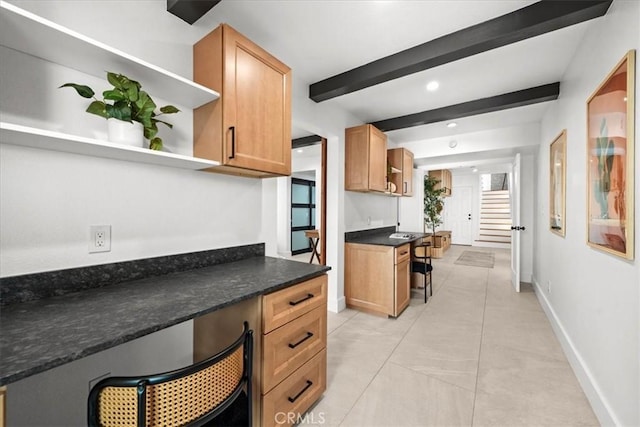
x: 402, y: 253
x: 303, y: 387
x: 290, y: 346
x: 283, y: 306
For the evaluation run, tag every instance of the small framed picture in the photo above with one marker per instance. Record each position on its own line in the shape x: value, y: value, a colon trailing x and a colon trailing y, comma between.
x: 557, y: 183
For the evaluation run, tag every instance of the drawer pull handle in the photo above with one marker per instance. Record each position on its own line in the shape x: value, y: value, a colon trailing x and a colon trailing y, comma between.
x: 309, y: 335
x: 309, y: 296
x: 294, y: 398
x: 404, y: 253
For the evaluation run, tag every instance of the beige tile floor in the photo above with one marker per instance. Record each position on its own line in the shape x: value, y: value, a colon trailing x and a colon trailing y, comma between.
x: 476, y: 354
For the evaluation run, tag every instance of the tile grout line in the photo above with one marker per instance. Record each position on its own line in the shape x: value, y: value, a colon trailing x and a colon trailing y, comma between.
x: 484, y: 312
x: 386, y: 360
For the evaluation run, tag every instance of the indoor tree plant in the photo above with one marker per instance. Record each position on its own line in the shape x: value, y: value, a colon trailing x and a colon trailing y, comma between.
x: 433, y: 203
x: 128, y: 104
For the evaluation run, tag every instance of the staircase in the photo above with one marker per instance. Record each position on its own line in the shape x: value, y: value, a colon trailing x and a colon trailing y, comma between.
x: 495, y: 218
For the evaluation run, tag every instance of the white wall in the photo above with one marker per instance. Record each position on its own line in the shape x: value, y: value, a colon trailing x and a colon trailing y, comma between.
x: 411, y: 216
x: 594, y: 297
x: 49, y: 199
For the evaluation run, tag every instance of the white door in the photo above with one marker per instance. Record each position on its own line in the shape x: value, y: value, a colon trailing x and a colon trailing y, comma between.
x: 458, y: 215
x: 514, y: 193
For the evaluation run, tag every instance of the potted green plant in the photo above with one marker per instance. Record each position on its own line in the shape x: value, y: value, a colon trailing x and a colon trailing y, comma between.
x: 433, y: 203
x: 126, y: 103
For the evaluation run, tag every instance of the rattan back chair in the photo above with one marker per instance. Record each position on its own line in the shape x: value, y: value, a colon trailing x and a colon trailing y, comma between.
x: 190, y: 396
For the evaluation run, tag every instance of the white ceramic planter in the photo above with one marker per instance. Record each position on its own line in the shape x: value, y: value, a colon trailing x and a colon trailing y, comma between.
x: 125, y: 133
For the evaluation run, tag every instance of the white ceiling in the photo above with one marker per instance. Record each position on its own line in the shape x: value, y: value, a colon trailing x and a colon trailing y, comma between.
x: 319, y: 39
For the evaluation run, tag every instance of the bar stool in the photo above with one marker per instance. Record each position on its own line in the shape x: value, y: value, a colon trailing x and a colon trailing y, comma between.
x: 423, y: 265
x: 190, y: 396
x: 314, y: 238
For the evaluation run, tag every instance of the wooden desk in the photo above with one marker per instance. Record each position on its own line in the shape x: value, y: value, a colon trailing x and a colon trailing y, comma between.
x: 314, y: 238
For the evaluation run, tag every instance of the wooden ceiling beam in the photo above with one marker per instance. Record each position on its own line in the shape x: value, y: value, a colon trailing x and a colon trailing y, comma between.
x: 305, y: 141
x: 539, y: 18
x: 520, y: 98
x: 190, y: 10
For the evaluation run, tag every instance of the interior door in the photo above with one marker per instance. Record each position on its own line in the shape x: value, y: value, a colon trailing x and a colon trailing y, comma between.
x: 458, y: 215
x: 514, y: 193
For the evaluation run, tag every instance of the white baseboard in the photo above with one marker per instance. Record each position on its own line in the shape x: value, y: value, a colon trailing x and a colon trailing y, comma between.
x: 599, y: 403
x: 336, y: 306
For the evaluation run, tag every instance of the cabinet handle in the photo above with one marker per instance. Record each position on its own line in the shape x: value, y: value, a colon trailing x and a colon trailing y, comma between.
x: 309, y: 296
x: 233, y: 142
x: 405, y: 187
x: 309, y: 335
x: 404, y: 253
x: 294, y: 398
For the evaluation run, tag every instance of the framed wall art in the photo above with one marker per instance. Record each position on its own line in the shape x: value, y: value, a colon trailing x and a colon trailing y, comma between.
x: 610, y: 161
x: 557, y: 184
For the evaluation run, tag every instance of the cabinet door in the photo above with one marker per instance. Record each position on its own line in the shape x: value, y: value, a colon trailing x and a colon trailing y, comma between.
x: 257, y: 107
x: 369, y: 277
x: 377, y: 160
x: 403, y: 286
x: 407, y: 173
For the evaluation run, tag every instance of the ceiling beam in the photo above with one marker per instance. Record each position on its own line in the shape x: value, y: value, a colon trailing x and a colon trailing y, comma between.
x: 539, y: 18
x: 520, y: 98
x: 190, y: 10
x: 305, y: 141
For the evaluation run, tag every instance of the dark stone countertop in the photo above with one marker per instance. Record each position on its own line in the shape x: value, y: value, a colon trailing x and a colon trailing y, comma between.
x: 42, y: 334
x: 381, y: 237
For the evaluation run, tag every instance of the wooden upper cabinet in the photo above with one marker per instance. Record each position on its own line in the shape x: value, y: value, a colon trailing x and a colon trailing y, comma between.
x: 365, y: 159
x: 401, y: 162
x: 249, y: 129
x: 446, y: 182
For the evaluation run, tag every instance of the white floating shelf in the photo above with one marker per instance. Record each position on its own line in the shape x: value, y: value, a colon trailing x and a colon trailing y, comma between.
x: 49, y: 140
x: 25, y: 32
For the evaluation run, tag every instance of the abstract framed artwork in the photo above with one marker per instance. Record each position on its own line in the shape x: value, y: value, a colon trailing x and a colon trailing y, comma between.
x: 557, y: 184
x: 610, y: 161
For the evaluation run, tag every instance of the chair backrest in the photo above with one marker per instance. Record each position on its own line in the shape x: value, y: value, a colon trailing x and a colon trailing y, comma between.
x: 422, y: 251
x: 190, y: 396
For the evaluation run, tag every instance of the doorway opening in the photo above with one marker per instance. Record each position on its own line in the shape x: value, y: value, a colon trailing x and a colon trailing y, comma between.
x: 302, y: 201
x: 495, y: 210
x: 303, y: 210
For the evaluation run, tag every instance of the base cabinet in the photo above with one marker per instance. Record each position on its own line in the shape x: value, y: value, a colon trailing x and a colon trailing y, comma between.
x: 289, y: 348
x: 377, y: 278
x: 3, y: 392
x: 294, y: 342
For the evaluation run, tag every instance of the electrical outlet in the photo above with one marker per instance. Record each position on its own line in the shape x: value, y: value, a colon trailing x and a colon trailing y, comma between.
x: 99, y: 238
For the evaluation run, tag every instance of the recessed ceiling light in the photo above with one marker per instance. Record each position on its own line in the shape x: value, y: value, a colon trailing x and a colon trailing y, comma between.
x: 452, y: 125
x: 300, y: 150
x: 432, y: 86
x: 453, y: 143
x: 474, y: 169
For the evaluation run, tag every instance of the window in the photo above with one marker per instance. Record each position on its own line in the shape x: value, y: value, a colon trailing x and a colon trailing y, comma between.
x: 303, y: 214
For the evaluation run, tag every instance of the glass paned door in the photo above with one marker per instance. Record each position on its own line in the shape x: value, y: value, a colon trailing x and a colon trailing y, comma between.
x: 303, y: 210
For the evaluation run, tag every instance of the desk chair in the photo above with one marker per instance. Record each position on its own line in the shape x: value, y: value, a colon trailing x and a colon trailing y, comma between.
x: 190, y: 396
x: 421, y: 263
